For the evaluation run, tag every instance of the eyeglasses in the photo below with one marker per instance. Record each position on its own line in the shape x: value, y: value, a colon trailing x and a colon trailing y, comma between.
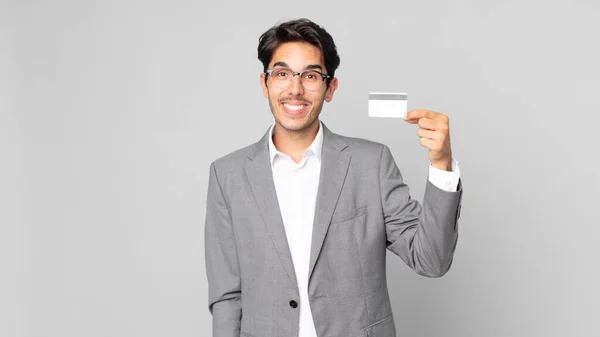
x: 310, y: 79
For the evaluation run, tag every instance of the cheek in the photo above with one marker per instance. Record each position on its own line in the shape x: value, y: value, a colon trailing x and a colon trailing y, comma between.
x: 273, y: 98
x: 272, y: 93
x: 319, y: 98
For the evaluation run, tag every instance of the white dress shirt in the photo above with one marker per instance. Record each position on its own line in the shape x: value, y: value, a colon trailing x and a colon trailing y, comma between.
x: 296, y: 186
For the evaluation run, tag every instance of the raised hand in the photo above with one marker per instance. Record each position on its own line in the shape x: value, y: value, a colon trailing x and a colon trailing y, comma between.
x: 434, y: 132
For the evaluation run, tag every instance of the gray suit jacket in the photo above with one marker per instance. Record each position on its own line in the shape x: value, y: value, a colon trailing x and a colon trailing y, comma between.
x: 363, y: 208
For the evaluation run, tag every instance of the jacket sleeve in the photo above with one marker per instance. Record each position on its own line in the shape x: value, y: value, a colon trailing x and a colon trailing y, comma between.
x: 222, y: 266
x: 424, y: 236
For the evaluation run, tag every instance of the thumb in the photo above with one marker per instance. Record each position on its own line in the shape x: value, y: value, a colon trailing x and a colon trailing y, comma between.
x: 411, y: 120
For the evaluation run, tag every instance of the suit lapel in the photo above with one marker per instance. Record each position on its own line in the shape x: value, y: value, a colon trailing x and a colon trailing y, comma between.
x: 334, y: 166
x: 260, y: 177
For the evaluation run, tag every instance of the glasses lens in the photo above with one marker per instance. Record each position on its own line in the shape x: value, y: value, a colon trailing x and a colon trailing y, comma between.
x: 311, y: 80
x: 282, y: 77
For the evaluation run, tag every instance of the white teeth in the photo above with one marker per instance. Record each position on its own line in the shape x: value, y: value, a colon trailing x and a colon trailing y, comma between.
x: 294, y: 107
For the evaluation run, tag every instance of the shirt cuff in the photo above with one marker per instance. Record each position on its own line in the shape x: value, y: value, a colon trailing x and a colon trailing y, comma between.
x: 445, y: 180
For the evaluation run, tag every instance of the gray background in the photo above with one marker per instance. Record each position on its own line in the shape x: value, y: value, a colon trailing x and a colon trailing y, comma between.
x: 111, y: 112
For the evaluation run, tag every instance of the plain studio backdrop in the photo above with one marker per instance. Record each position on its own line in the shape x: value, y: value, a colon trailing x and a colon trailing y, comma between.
x: 112, y: 111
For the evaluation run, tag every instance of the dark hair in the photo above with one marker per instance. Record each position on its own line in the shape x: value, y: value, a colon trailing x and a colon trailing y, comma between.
x: 299, y: 30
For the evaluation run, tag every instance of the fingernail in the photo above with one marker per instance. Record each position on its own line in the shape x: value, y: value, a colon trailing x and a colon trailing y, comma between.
x: 405, y: 114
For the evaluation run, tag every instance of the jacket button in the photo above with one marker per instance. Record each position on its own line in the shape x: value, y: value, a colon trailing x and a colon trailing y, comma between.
x: 293, y: 304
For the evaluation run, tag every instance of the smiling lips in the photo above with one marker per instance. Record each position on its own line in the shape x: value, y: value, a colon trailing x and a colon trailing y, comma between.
x: 295, y: 108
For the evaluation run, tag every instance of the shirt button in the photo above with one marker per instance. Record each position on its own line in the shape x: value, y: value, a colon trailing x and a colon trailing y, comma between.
x: 293, y: 304
x: 448, y: 182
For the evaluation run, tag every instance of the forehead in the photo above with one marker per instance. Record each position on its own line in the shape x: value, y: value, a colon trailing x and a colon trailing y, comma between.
x: 298, y: 55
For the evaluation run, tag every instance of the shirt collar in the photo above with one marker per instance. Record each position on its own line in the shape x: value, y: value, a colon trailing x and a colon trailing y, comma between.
x: 315, y: 147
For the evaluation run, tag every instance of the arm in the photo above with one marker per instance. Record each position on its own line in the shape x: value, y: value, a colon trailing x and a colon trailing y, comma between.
x: 222, y: 267
x: 423, y: 236
x: 445, y: 180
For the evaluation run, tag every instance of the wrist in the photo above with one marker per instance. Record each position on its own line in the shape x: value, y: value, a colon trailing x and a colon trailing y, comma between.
x: 445, y: 165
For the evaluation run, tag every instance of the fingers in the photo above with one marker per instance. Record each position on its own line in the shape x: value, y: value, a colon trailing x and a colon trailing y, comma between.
x: 433, y: 134
x: 434, y: 146
x: 427, y: 124
x: 429, y: 143
x: 429, y: 134
x: 413, y: 116
x: 431, y: 124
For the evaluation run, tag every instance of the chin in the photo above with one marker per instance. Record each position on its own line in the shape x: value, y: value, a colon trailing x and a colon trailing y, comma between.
x: 292, y: 125
x: 295, y: 124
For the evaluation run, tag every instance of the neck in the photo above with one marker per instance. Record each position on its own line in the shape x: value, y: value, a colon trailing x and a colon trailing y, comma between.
x: 294, y: 143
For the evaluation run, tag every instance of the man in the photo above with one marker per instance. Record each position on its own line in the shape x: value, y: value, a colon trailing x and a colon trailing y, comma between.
x: 297, y: 224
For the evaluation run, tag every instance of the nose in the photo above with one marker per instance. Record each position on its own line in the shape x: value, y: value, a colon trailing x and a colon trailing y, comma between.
x: 296, y: 87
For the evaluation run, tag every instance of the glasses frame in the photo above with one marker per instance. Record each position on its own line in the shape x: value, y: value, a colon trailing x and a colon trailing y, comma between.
x: 269, y: 72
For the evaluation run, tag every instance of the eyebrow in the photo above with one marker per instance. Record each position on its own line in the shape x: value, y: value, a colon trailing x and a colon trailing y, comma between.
x: 310, y: 66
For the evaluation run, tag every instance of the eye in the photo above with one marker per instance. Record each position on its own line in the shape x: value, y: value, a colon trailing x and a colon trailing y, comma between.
x: 282, y: 73
x: 312, y: 76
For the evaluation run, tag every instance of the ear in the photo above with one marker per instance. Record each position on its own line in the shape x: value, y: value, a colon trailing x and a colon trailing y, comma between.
x: 264, y: 85
x: 332, y: 86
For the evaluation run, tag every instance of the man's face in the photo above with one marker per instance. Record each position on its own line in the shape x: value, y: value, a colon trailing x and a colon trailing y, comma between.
x: 295, y: 108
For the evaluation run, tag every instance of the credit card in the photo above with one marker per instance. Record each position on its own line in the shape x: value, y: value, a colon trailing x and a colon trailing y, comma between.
x: 388, y: 104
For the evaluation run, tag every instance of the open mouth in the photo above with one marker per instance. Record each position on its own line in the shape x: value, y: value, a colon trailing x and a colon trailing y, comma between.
x: 294, y: 108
